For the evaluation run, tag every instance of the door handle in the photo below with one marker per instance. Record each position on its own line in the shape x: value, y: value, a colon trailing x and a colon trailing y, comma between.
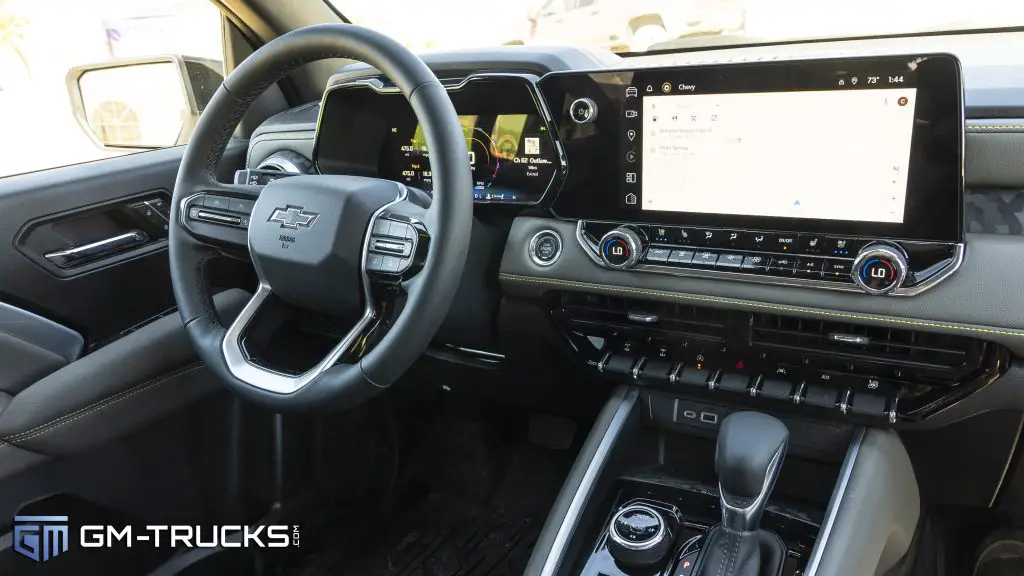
x: 96, y: 250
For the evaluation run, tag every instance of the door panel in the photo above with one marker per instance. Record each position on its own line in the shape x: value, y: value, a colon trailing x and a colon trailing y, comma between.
x: 64, y: 208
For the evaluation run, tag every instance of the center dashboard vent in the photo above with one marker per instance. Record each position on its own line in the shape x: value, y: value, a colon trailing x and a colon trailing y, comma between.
x: 925, y: 356
x: 612, y: 314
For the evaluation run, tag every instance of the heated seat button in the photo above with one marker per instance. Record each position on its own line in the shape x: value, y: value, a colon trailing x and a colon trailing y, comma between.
x: 841, y: 246
x: 812, y: 244
x: 734, y: 382
x: 820, y: 396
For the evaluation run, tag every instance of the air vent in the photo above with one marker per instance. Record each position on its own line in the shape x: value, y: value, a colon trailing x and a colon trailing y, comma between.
x: 927, y: 355
x: 611, y: 313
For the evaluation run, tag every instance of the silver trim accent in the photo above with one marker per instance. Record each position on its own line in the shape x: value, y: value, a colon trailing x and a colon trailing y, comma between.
x: 604, y: 361
x: 642, y: 317
x: 954, y: 265
x: 890, y: 252
x: 41, y: 332
x: 539, y: 101
x: 638, y: 366
x: 281, y: 162
x: 844, y: 404
x: 893, y: 412
x: 589, y: 104
x: 99, y: 249
x: 798, y: 395
x: 646, y: 544
x: 277, y: 382
x: 845, y: 472
x: 631, y: 238
x: 673, y: 376
x: 582, y: 494
x: 749, y: 517
x: 533, y: 248
x: 483, y: 354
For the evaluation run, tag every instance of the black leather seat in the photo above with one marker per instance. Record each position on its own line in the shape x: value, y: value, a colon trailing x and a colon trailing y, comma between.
x: 112, y: 392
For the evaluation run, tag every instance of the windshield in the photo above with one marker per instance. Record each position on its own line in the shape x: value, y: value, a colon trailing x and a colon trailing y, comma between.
x: 637, y: 25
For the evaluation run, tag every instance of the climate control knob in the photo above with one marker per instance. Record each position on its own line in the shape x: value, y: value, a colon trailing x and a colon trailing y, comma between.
x: 620, y: 248
x: 880, y: 268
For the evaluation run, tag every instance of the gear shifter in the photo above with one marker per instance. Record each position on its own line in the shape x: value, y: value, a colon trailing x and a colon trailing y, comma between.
x: 751, y: 447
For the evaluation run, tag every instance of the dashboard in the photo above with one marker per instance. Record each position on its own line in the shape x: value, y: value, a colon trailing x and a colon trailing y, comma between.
x: 717, y: 189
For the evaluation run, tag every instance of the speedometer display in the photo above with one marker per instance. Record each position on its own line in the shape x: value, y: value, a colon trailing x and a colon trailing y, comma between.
x: 506, y: 152
x: 508, y: 144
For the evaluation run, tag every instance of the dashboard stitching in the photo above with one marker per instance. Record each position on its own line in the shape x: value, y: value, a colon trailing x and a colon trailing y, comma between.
x: 776, y: 307
x: 984, y: 127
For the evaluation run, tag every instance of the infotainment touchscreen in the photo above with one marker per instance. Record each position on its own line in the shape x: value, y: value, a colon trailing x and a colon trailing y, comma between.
x: 783, y: 154
x: 868, y: 146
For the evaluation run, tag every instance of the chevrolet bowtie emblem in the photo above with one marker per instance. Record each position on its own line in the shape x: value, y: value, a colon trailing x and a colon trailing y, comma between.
x: 293, y: 217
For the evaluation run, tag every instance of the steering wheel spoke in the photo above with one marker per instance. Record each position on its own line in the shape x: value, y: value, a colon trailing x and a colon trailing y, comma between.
x: 218, y: 214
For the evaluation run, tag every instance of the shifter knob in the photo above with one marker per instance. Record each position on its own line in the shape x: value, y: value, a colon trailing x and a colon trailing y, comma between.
x: 751, y: 447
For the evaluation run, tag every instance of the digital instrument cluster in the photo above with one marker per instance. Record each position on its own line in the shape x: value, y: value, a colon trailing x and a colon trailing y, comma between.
x: 370, y: 130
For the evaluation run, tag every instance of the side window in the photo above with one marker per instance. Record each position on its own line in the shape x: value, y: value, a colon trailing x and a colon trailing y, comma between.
x: 85, y: 80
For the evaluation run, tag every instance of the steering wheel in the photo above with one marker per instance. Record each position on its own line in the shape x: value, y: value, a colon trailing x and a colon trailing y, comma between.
x: 309, y: 237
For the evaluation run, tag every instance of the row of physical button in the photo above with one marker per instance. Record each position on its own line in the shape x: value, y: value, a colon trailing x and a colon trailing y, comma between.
x: 759, y: 263
x: 821, y: 396
x: 779, y: 242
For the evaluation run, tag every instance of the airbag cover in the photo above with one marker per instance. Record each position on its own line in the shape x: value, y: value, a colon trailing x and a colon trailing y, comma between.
x: 306, y: 238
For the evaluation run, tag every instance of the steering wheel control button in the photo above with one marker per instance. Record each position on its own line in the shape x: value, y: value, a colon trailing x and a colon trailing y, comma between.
x: 387, y: 246
x: 217, y: 202
x: 583, y: 111
x: 620, y: 248
x: 545, y: 248
x: 880, y: 268
x: 237, y: 205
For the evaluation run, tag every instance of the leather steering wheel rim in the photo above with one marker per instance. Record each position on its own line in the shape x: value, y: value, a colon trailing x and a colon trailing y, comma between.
x: 341, y: 385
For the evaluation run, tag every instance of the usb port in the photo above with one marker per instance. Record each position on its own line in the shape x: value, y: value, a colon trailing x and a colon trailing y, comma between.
x: 709, y: 417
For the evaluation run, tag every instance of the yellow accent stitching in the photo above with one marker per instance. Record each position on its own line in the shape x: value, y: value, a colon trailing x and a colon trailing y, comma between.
x: 994, y: 127
x: 759, y: 305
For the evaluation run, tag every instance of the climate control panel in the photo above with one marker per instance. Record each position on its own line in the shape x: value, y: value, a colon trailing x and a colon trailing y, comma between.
x: 874, y: 266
